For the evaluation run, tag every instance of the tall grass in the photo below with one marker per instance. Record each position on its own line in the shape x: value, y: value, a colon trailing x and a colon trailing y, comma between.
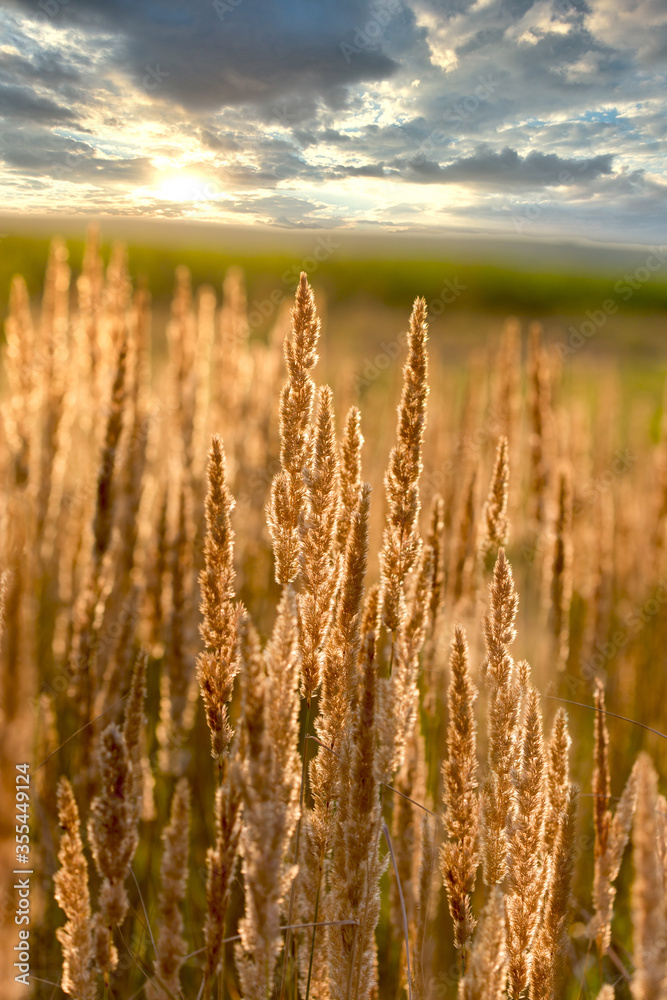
x: 273, y: 679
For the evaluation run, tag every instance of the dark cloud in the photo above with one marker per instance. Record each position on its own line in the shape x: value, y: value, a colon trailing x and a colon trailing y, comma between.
x: 282, y: 222
x: 508, y: 169
x: 304, y: 138
x: 367, y: 170
x: 326, y: 136
x: 219, y: 141
x: 47, y: 155
x: 273, y: 169
x: 332, y: 136
x: 255, y: 52
x: 634, y: 190
x: 24, y: 104
x: 46, y: 66
x: 554, y: 101
x: 287, y: 212
x: 276, y: 203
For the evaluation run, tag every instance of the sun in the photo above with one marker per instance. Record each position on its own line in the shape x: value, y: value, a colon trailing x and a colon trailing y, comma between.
x: 187, y: 187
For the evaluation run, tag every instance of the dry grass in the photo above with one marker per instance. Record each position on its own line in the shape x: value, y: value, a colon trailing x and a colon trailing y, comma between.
x: 355, y: 663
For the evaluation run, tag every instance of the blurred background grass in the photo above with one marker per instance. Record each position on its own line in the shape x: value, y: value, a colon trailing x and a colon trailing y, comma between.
x: 362, y: 285
x: 364, y: 292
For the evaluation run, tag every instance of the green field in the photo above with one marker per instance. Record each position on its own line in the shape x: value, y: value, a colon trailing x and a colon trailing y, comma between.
x: 340, y: 274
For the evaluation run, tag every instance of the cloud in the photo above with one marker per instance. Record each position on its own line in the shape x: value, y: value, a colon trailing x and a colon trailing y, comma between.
x: 282, y: 222
x: 23, y: 104
x: 326, y: 136
x: 221, y: 141
x: 508, y: 169
x: 639, y: 26
x: 254, y: 52
x: 365, y: 170
x: 288, y: 212
x: 46, y: 66
x: 303, y: 113
x: 38, y: 152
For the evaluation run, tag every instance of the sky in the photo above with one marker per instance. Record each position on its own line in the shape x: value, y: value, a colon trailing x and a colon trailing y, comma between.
x: 421, y: 116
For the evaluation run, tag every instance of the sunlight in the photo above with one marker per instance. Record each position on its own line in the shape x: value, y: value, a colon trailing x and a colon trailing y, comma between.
x: 186, y: 187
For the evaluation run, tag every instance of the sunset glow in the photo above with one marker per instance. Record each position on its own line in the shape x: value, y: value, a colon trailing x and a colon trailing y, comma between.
x: 424, y: 115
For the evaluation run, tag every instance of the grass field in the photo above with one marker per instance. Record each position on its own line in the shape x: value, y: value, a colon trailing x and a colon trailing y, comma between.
x: 257, y: 694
